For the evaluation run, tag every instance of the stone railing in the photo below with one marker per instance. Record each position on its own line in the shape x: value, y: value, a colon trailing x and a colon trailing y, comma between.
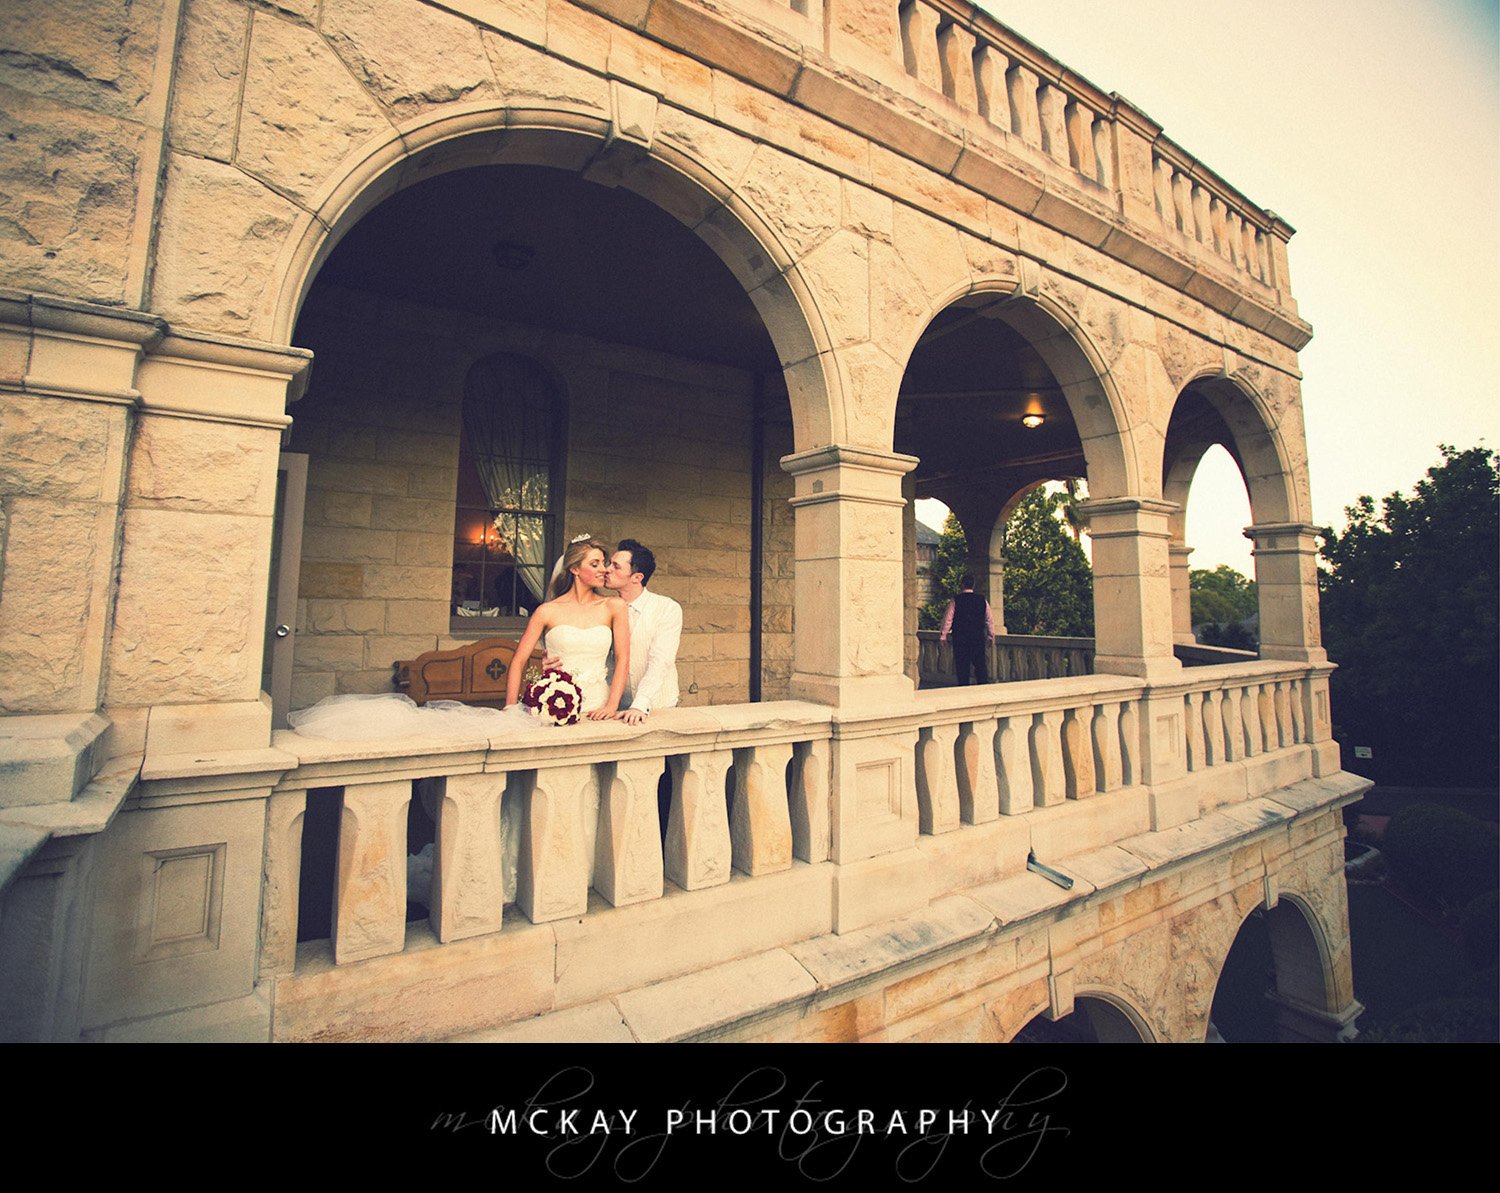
x: 1013, y: 658
x: 1027, y: 98
x: 1231, y: 716
x: 1200, y: 208
x: 748, y: 792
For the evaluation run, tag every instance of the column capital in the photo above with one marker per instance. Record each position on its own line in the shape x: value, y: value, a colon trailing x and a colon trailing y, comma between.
x: 834, y: 455
x: 1271, y: 537
x: 1112, y: 516
x: 1179, y: 553
x: 838, y: 473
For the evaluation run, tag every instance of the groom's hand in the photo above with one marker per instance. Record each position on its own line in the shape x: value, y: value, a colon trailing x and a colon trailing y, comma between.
x: 631, y: 716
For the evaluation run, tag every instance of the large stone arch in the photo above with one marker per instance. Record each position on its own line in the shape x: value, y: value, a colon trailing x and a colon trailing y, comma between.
x: 1092, y: 395
x: 1254, y: 441
x: 1308, y: 995
x: 612, y: 152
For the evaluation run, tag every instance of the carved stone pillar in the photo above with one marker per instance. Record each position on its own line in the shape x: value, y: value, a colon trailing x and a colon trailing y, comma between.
x: 1286, y: 578
x: 1182, y: 594
x: 849, y: 647
x: 1133, y: 624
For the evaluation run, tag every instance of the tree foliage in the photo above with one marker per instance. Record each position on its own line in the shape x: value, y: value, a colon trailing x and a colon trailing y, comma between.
x: 1222, y: 595
x: 1225, y: 607
x: 947, y: 571
x: 1049, y: 586
x: 1409, y: 600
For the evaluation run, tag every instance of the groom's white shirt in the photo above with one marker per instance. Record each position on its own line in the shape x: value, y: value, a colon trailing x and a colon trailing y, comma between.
x: 655, y: 634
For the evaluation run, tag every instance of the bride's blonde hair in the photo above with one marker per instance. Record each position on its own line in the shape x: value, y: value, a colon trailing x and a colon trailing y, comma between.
x: 572, y: 557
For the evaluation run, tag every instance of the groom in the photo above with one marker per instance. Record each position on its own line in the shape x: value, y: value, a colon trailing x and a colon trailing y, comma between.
x: 655, y: 632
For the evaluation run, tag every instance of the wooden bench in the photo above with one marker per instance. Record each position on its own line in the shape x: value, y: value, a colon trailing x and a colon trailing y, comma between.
x: 471, y: 674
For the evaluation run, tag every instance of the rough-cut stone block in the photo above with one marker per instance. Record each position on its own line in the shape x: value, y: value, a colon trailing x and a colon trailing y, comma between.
x: 692, y: 1007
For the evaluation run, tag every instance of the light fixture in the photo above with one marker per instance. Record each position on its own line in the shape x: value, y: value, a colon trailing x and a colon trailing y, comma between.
x: 1032, y: 421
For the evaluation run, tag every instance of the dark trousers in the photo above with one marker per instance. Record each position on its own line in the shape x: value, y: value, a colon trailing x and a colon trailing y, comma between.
x: 971, y: 654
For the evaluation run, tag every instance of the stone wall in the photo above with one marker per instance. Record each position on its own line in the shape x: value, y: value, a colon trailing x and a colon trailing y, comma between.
x: 381, y: 423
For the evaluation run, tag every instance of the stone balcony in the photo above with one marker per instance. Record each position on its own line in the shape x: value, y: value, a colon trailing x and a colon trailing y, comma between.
x: 807, y: 850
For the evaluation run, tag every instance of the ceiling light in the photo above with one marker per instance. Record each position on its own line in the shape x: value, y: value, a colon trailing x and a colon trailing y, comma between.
x: 1032, y: 421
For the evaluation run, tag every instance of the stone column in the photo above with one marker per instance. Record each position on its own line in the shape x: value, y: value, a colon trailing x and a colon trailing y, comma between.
x: 1286, y: 578
x: 1135, y: 178
x: 68, y: 380
x: 1132, y: 586
x: 849, y: 646
x: 1182, y: 594
x: 189, y: 627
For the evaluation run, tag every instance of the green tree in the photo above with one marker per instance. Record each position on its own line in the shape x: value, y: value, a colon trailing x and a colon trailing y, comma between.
x: 1221, y: 596
x: 947, y: 571
x: 1049, y: 586
x: 1409, y: 599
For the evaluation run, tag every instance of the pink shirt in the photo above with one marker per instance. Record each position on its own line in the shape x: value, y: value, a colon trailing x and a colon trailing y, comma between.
x: 989, y: 622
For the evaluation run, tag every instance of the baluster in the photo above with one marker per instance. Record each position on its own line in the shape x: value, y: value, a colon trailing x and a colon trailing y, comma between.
x: 369, y: 902
x: 1266, y: 707
x: 760, y: 825
x: 1250, y: 720
x: 974, y: 763
x: 552, y: 878
x: 956, y: 59
x: 1192, y: 720
x: 1025, y: 120
x: 993, y: 99
x: 1263, y: 256
x: 919, y: 44
x: 1104, y: 729
x: 1187, y: 219
x: 1283, y: 717
x: 1213, y: 728
x: 1130, y: 738
x: 1166, y: 203
x: 1048, y: 782
x: 1077, y: 757
x: 1013, y: 766
x: 1233, y: 236
x: 1079, y: 121
x: 1249, y: 254
x: 281, y: 881
x: 627, y: 861
x: 1051, y: 102
x: 937, y: 791
x: 1234, y: 725
x: 468, y: 875
x: 697, y: 849
x: 1202, y: 230
x: 1299, y: 725
x: 1103, y: 152
x: 810, y: 810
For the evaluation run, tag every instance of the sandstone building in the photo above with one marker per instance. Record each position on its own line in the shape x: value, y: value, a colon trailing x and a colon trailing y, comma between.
x: 326, y: 322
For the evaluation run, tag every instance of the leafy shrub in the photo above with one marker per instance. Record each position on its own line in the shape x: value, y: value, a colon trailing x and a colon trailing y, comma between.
x: 1441, y: 1021
x: 1479, y: 928
x: 1441, y: 852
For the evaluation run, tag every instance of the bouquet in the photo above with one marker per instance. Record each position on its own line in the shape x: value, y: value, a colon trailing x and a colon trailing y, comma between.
x: 555, y: 696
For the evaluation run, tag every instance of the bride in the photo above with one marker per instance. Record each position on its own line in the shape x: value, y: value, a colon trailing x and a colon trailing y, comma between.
x: 581, y: 627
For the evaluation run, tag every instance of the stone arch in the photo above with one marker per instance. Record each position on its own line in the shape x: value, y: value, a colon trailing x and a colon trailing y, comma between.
x: 1309, y: 1003
x: 590, y: 145
x: 1105, y: 1015
x: 1252, y: 436
x: 1091, y: 393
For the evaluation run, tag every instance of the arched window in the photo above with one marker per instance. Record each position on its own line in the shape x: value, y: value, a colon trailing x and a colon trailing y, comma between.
x: 509, y: 490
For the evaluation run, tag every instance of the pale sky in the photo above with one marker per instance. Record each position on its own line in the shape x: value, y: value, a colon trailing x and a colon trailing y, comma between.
x: 1373, y: 128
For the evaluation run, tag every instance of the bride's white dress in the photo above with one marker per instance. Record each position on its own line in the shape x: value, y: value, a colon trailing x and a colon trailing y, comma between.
x: 584, y: 654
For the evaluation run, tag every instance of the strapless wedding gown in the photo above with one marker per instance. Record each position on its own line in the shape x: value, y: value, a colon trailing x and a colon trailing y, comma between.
x: 584, y: 654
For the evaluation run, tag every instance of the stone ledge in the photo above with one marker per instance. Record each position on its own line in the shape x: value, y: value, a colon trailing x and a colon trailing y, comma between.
x: 703, y: 1004
x: 592, y: 1023
x: 48, y: 757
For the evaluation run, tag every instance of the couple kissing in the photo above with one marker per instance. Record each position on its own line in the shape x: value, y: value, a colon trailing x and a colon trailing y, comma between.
x: 619, y: 644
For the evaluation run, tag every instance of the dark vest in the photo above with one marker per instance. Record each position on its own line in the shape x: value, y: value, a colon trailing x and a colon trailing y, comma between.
x: 968, y: 616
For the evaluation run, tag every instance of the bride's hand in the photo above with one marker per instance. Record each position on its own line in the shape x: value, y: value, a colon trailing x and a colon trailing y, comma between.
x: 607, y: 713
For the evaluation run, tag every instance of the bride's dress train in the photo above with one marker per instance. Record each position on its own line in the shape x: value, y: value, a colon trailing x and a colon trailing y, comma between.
x: 583, y: 652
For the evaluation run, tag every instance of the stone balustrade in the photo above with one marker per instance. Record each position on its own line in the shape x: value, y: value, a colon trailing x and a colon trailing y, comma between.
x: 1202, y: 210
x: 1013, y: 657
x: 748, y: 793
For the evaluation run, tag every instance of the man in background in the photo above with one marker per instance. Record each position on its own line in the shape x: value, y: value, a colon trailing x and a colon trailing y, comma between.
x: 972, y: 625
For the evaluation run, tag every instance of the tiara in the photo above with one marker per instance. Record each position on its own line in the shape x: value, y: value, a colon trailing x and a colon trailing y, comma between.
x: 579, y: 538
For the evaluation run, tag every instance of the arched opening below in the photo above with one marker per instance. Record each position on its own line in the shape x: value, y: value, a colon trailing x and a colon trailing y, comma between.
x: 1223, y: 608
x: 1092, y: 1021
x: 1273, y: 970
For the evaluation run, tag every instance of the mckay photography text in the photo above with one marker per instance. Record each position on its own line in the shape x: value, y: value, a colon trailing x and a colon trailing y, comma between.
x: 766, y: 1117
